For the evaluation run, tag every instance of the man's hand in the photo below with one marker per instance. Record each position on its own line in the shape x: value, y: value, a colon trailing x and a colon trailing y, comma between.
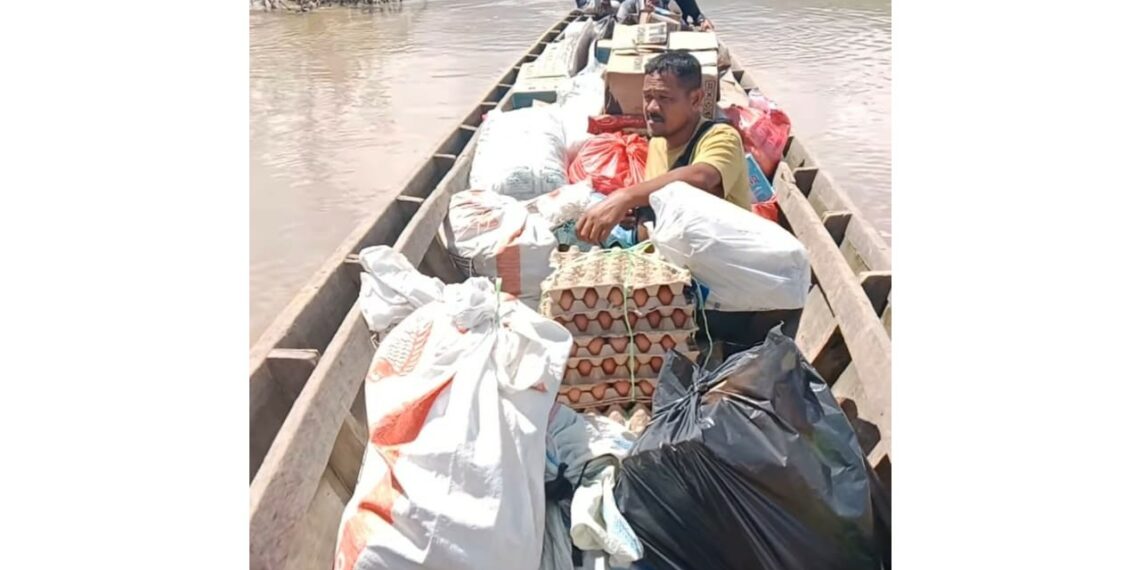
x: 706, y: 25
x: 598, y: 221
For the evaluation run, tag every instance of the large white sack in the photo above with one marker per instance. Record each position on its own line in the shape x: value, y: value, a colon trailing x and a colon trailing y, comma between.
x: 520, y: 153
x: 747, y: 262
x: 458, y: 397
x: 579, y: 99
x: 390, y: 288
x: 493, y: 235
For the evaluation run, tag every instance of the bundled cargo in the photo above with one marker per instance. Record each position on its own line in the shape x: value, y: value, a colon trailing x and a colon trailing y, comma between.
x: 611, y: 161
x: 520, y: 153
x: 745, y: 262
x: 626, y: 310
x: 458, y: 397
x: 752, y: 465
x: 492, y: 235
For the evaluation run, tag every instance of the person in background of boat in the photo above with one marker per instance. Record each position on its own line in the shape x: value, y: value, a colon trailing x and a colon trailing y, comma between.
x: 683, y: 147
x: 690, y: 11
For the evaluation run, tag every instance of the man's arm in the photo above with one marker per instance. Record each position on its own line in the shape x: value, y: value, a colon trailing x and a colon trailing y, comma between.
x: 700, y: 175
x: 719, y: 151
x: 599, y: 220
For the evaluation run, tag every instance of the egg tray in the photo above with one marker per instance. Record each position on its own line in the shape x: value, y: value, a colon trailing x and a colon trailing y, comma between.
x: 644, y: 343
x: 612, y: 321
x: 598, y: 279
x: 614, y: 391
x: 635, y: 418
x: 590, y: 370
x: 588, y: 299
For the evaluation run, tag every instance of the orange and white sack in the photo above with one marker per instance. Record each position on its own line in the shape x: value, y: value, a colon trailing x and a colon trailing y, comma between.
x: 493, y: 235
x: 458, y: 398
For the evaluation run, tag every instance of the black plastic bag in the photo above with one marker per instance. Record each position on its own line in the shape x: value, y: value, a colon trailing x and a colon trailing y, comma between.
x: 752, y: 465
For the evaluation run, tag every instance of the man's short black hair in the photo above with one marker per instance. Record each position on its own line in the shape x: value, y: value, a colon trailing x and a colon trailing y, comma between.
x: 681, y: 64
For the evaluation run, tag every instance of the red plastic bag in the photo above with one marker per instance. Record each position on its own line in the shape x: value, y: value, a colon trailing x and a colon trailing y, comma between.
x: 614, y: 123
x: 763, y: 130
x: 767, y: 210
x: 610, y: 161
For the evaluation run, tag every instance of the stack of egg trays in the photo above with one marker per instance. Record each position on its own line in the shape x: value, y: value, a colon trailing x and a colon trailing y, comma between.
x: 586, y: 294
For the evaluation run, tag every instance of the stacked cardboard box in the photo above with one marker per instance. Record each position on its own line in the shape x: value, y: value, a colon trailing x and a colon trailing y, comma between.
x: 632, y: 47
x: 541, y: 79
x: 703, y: 45
x: 626, y: 311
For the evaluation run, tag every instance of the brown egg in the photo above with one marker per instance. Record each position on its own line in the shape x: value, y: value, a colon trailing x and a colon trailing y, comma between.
x: 654, y: 319
x: 609, y: 365
x: 566, y: 300
x: 574, y: 350
x: 591, y: 297
x: 640, y: 297
x: 632, y: 317
x: 622, y: 388
x: 619, y: 343
x: 665, y: 295
x: 667, y: 342
x: 581, y: 322
x: 606, y: 320
x: 574, y: 394
x: 584, y: 367
x: 615, y: 297
x: 642, y: 342
x: 599, y: 391
x: 595, y: 346
x: 645, y: 388
x: 679, y: 318
x: 655, y: 363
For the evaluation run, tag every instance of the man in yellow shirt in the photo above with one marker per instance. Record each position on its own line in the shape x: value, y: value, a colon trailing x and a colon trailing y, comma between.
x: 683, y: 147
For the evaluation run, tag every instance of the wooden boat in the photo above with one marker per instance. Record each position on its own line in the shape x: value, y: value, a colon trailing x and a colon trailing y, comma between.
x: 307, y: 421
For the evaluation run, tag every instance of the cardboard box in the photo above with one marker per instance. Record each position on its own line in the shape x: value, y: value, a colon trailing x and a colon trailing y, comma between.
x: 710, y: 81
x: 625, y: 77
x: 530, y: 89
x: 640, y: 38
x: 693, y: 41
x: 672, y: 22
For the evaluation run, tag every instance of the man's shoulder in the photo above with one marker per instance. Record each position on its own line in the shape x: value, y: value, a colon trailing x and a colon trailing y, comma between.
x: 722, y: 133
x: 724, y: 130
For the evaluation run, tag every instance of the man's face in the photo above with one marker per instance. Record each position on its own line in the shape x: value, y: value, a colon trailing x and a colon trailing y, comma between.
x: 668, y: 106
